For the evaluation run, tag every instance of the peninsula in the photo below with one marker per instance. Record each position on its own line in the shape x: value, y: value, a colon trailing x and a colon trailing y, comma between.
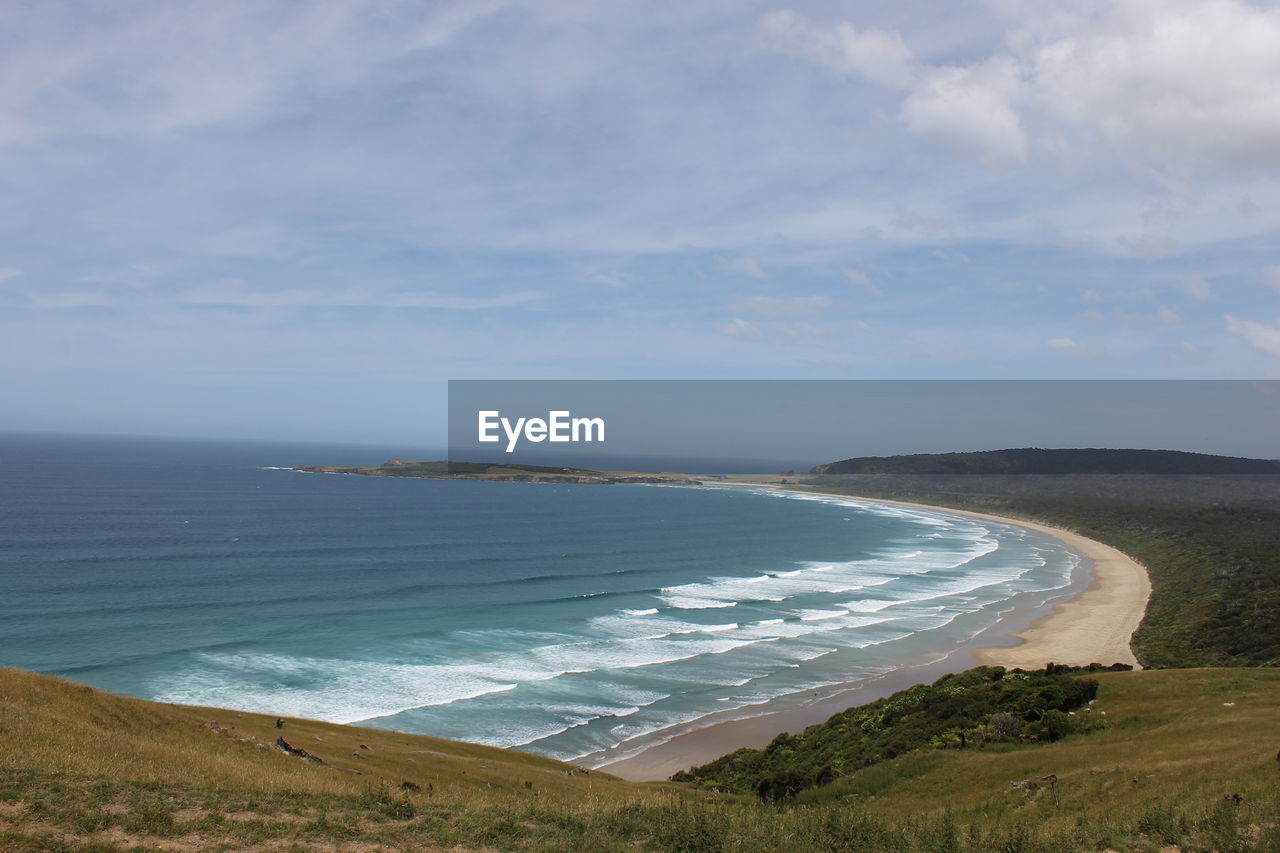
x: 505, y: 472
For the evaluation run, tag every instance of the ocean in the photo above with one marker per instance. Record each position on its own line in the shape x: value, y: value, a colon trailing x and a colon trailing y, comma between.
x: 558, y: 619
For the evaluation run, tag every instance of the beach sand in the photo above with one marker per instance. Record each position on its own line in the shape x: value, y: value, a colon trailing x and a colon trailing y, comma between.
x: 1094, y: 626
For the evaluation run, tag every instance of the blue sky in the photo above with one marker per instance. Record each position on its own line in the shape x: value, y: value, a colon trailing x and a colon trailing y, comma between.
x: 299, y: 219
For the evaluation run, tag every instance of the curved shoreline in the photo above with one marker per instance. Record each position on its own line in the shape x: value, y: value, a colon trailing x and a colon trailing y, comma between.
x: 1092, y: 626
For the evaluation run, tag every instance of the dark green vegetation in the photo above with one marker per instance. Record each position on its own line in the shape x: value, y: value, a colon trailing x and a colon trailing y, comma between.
x: 1185, y: 762
x: 498, y: 472
x: 1210, y: 544
x: 1035, y: 460
x: 969, y: 709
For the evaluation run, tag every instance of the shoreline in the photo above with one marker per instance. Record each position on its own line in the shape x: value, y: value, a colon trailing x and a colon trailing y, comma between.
x: 1087, y: 623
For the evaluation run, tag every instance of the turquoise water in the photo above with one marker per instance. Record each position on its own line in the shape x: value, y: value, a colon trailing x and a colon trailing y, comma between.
x: 561, y: 619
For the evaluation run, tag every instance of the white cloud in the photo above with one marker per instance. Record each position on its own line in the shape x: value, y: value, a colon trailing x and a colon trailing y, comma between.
x: 858, y: 278
x: 1064, y: 345
x: 7, y: 273
x: 1185, y: 76
x: 236, y: 293
x: 1173, y: 78
x: 1265, y: 339
x: 768, y: 306
x: 170, y: 67
x: 1271, y: 275
x: 1167, y: 317
x: 608, y: 279
x: 877, y: 55
x: 970, y: 110
x: 746, y: 266
x: 1197, y: 288
x: 740, y: 328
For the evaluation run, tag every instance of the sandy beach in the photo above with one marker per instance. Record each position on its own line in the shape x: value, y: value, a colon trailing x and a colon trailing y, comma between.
x: 1094, y: 625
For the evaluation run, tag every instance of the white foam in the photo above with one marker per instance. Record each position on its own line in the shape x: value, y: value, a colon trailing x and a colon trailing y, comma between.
x: 820, y: 615
x: 869, y: 605
x: 813, y: 578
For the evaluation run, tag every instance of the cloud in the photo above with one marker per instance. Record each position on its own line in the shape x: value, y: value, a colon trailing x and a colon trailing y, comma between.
x: 608, y: 279
x: 235, y: 293
x: 877, y: 55
x: 740, y: 328
x: 970, y: 110
x: 1167, y: 317
x: 858, y: 278
x: 7, y: 273
x: 745, y: 266
x: 1194, y: 77
x: 164, y: 68
x: 1271, y: 275
x: 1265, y: 339
x: 1197, y: 288
x: 1064, y: 345
x: 768, y: 306
x: 1179, y: 77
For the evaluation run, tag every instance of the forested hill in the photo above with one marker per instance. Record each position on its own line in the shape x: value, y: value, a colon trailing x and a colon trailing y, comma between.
x: 1035, y: 460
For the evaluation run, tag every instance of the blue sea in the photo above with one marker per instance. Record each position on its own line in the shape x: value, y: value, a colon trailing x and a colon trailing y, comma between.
x: 559, y: 619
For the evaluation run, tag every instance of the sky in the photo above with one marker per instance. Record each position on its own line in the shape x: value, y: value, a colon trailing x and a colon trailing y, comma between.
x: 298, y: 219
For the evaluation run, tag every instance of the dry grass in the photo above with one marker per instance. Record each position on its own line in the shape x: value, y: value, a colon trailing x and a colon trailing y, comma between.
x: 83, y: 771
x: 61, y: 727
x: 1175, y: 740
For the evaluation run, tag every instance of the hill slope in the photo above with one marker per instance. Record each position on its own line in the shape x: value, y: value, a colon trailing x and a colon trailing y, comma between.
x: 1035, y: 460
x: 82, y: 770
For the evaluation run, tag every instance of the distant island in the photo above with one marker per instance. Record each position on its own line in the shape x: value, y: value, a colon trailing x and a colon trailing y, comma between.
x: 1035, y: 460
x: 501, y: 473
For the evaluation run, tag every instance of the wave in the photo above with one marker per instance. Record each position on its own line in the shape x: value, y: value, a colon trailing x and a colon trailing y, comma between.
x: 786, y: 619
x: 814, y: 578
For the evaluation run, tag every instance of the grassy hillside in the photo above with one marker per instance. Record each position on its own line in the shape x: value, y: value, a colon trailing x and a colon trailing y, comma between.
x: 1176, y: 743
x: 81, y: 770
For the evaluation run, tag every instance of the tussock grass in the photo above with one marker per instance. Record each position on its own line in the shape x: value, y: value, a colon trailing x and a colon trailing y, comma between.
x: 58, y: 726
x: 85, y: 771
